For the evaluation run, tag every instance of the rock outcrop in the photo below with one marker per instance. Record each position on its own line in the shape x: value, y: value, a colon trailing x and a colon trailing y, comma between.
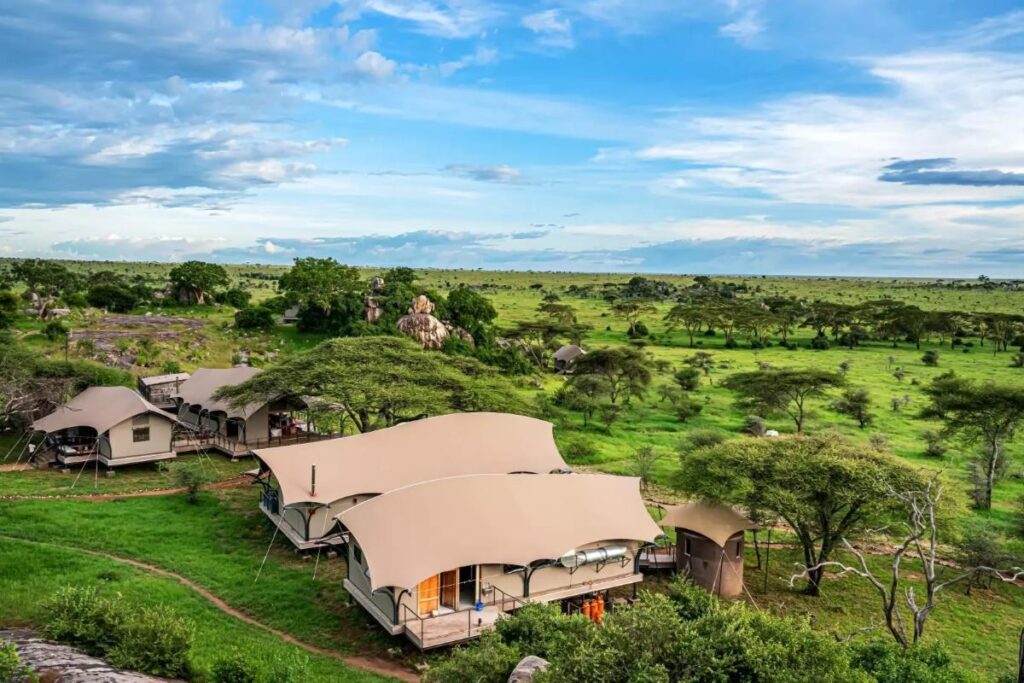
x: 64, y: 664
x: 526, y: 669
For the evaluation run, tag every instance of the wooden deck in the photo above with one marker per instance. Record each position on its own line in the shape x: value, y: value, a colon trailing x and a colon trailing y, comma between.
x: 451, y: 628
x: 658, y: 558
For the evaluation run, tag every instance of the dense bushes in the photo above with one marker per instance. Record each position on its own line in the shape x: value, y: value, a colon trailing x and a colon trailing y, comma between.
x: 255, y: 318
x: 239, y: 667
x: 151, y: 640
x: 11, y: 668
x: 685, y: 636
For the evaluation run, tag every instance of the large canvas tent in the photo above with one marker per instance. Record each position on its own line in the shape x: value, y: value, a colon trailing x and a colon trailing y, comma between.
x: 114, y: 425
x: 440, y: 560
x: 709, y: 544
x: 307, y: 485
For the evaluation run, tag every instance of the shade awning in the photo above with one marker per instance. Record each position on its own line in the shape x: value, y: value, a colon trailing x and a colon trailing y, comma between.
x: 416, y: 532
x: 99, y: 408
x: 718, y: 523
x: 411, y: 452
x: 199, y: 389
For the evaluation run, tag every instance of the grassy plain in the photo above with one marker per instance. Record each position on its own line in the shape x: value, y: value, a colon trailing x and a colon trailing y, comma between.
x: 220, y: 542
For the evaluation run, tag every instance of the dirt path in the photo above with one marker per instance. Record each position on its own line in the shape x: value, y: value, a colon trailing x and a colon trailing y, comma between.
x: 16, y: 467
x: 224, y: 484
x: 375, y: 665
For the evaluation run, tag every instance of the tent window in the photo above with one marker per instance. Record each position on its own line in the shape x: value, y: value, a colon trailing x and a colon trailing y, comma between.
x: 357, y: 554
x: 510, y: 568
x: 739, y: 549
x: 140, y: 434
x: 687, y: 546
x: 140, y: 420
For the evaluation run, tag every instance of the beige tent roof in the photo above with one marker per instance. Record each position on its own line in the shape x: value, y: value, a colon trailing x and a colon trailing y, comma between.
x: 164, y: 379
x: 100, y: 408
x: 411, y: 452
x: 413, y: 533
x: 200, y: 387
x: 568, y: 352
x: 717, y: 522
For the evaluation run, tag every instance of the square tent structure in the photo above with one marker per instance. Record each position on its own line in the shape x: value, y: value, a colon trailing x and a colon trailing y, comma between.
x: 160, y: 390
x: 306, y: 486
x: 565, y: 357
x: 441, y: 561
x: 113, y: 425
x: 708, y: 548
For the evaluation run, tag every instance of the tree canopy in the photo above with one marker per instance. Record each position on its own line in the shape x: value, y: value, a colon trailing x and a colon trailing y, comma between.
x: 320, y: 281
x: 823, y: 487
x: 778, y: 390
x: 380, y: 381
x: 626, y: 370
x: 194, y: 281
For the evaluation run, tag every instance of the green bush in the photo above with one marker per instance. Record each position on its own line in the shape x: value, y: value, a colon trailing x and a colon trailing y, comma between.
x: 255, y: 318
x: 80, y: 617
x: 888, y: 663
x: 154, y: 640
x: 702, y: 438
x: 190, y: 475
x: 239, y: 667
x: 11, y: 668
x: 580, y: 449
x: 489, y: 660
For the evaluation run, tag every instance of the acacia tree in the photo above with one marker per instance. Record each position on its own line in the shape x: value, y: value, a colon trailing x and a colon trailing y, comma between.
x: 689, y: 315
x: 986, y: 414
x: 631, y: 310
x: 920, y: 527
x: 776, y: 390
x: 856, y: 404
x: 626, y: 370
x: 823, y: 487
x: 379, y: 381
x: 193, y: 281
x: 320, y: 282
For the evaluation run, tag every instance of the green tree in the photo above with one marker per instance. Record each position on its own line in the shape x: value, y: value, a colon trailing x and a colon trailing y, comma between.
x: 986, y: 414
x: 856, y: 404
x: 631, y: 310
x: 471, y: 311
x: 379, y: 381
x: 583, y: 393
x: 8, y: 308
x: 320, y: 282
x: 255, y: 318
x: 194, y: 281
x: 626, y: 370
x: 823, y: 487
x: 113, y: 296
x: 645, y: 460
x: 690, y: 315
x: 777, y: 390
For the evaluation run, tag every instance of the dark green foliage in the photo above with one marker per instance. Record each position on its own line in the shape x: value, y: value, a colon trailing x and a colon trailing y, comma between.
x: 236, y: 298
x: 151, y: 640
x: 46, y: 278
x: 782, y: 390
x: 690, y: 600
x: 542, y: 630
x: 255, y: 318
x: 702, y: 438
x: 55, y: 330
x: 579, y: 449
x: 626, y: 370
x: 112, y: 296
x: 194, y: 281
x: 191, y: 475
x: 855, y: 404
x: 256, y: 667
x: 687, y: 408
x: 888, y: 663
x: 687, y: 378
x: 489, y: 660
x: 471, y: 311
x: 930, y: 358
x: 8, y: 308
x: 755, y: 425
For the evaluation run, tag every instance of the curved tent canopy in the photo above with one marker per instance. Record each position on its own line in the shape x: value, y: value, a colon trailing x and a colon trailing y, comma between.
x: 718, y: 523
x: 568, y: 353
x: 410, y: 534
x: 411, y: 452
x: 198, y: 389
x: 99, y: 408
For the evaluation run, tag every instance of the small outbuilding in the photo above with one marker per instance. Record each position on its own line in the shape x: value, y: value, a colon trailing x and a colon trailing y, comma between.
x: 161, y: 389
x: 113, y: 425
x: 442, y: 560
x: 566, y: 356
x: 709, y: 545
x: 305, y: 486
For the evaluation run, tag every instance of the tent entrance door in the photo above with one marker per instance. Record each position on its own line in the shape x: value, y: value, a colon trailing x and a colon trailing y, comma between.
x: 450, y: 589
x: 429, y: 595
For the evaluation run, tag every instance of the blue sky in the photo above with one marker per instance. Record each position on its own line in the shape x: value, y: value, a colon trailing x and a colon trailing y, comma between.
x: 714, y: 136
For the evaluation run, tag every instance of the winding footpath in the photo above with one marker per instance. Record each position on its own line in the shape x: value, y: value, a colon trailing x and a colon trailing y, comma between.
x: 375, y: 665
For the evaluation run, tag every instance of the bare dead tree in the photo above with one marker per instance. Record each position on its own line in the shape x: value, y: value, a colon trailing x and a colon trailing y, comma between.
x: 920, y: 542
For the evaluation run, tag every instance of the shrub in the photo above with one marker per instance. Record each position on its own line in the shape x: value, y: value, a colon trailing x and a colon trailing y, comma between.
x: 934, y: 445
x: 80, y: 617
x: 879, y: 441
x: 888, y: 663
x: 55, y: 330
x: 687, y: 378
x: 754, y: 425
x: 255, y: 318
x: 639, y: 330
x: 236, y: 298
x: 702, y: 438
x: 687, y: 408
x: 580, y: 449
x: 541, y: 630
x: 691, y: 601
x: 258, y: 667
x: 487, y: 661
x: 930, y: 358
x: 190, y: 475
x: 111, y: 296
x: 820, y: 343
x: 154, y: 640
x: 11, y: 668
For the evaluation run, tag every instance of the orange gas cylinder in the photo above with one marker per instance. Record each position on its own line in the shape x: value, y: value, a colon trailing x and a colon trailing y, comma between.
x: 586, y: 609
x: 600, y: 606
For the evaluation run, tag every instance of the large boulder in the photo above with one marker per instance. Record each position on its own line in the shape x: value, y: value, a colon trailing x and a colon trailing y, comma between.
x: 526, y: 669
x: 424, y: 328
x: 64, y: 664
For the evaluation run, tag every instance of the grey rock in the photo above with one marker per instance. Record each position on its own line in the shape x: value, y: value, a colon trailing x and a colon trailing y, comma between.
x: 64, y: 664
x: 526, y: 669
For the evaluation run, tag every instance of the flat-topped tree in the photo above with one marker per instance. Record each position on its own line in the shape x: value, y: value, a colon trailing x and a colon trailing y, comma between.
x: 194, y: 281
x: 626, y: 370
x: 782, y: 390
x: 380, y: 381
x: 320, y: 282
x: 824, y: 487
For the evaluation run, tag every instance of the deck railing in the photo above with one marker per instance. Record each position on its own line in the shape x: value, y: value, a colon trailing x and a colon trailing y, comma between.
x: 416, y: 624
x: 231, y: 445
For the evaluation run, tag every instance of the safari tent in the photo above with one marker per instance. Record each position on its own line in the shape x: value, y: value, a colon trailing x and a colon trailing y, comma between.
x: 566, y: 356
x: 113, y: 425
x: 307, y: 485
x: 708, y: 547
x: 160, y: 390
x: 441, y: 560
x: 232, y: 429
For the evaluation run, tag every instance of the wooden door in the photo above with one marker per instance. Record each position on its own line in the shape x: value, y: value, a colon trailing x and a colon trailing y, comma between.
x: 429, y: 593
x: 450, y: 589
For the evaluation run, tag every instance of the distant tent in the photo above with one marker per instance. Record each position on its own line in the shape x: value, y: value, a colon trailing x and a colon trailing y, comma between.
x: 566, y: 356
x: 709, y: 544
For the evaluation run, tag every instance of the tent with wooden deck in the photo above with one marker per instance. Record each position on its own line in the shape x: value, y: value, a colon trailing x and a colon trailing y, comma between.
x: 307, y: 485
x: 442, y: 559
x: 113, y: 425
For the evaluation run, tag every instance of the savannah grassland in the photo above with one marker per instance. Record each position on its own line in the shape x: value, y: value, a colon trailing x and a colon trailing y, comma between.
x: 220, y: 542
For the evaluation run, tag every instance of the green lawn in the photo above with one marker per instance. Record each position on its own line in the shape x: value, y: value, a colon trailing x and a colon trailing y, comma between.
x: 30, y: 572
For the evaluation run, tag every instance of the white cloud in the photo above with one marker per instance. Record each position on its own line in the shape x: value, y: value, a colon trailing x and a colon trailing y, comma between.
x: 744, y: 29
x: 446, y: 19
x: 481, y: 57
x: 375, y: 65
x: 552, y: 28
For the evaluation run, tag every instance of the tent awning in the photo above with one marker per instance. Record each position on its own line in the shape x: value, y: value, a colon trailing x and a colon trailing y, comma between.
x: 99, y: 408
x: 716, y: 522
